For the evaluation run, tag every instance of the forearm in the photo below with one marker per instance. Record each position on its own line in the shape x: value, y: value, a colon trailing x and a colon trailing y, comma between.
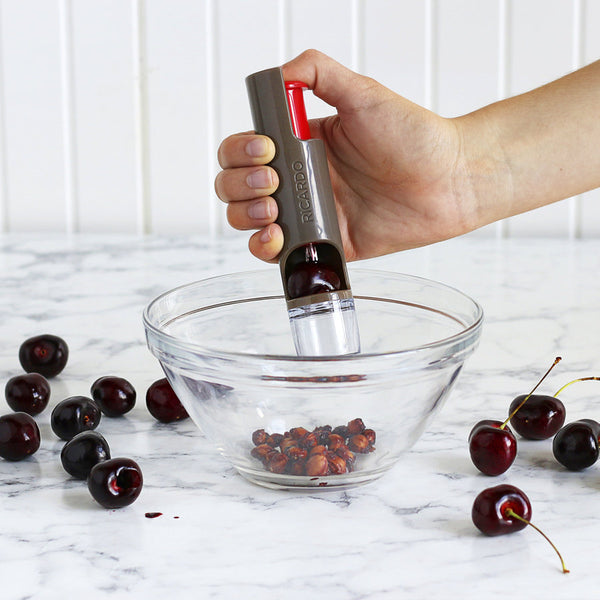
x: 536, y: 148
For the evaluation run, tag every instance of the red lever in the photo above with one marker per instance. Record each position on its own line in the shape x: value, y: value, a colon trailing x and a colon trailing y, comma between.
x: 295, y: 99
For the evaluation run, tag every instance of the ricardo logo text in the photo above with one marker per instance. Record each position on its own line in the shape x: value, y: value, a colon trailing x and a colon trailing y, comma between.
x: 302, y: 193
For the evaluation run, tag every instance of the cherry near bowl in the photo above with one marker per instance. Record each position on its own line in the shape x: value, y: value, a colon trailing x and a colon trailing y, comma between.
x: 225, y: 345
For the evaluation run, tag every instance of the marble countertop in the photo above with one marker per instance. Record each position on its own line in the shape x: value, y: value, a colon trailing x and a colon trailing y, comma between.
x: 407, y: 535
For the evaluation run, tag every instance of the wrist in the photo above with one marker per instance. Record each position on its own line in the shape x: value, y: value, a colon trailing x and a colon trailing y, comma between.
x: 484, y: 181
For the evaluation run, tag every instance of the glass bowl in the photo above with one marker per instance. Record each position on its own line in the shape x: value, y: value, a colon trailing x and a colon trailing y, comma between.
x: 225, y: 345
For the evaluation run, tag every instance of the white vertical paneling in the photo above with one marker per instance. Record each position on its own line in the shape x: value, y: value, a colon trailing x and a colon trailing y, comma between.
x: 33, y: 119
x: 111, y: 112
x: 431, y: 54
x: 4, y: 225
x: 467, y: 56
x: 590, y: 49
x: 540, y: 51
x: 249, y: 27
x: 68, y: 115
x: 105, y: 117
x: 358, y: 14
x: 247, y: 41
x: 215, y: 213
x: 178, y: 90
x: 331, y: 32
x: 469, y: 61
x: 394, y: 46
x: 140, y: 116
x: 501, y: 227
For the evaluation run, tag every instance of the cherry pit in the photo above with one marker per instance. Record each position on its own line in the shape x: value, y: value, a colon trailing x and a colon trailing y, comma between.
x: 322, y: 451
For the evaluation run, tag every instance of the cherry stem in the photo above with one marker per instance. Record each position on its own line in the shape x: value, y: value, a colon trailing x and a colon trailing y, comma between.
x: 509, y: 512
x: 575, y: 381
x: 514, y: 412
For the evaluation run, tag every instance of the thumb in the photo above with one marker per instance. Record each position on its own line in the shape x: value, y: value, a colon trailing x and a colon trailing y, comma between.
x: 332, y: 82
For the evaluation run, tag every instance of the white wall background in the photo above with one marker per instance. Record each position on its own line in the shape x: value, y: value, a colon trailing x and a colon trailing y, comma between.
x: 111, y: 110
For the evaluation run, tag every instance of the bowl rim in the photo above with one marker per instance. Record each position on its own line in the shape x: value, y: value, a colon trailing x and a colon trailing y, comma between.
x: 205, y: 350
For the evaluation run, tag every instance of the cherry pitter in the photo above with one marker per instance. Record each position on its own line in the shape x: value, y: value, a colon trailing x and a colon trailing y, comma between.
x: 312, y: 262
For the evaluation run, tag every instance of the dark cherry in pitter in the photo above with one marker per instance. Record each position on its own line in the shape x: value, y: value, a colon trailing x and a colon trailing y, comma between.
x: 116, y: 482
x: 27, y: 393
x: 309, y: 279
x: 114, y: 395
x: 74, y: 415
x: 83, y: 452
x: 44, y: 354
x: 19, y: 436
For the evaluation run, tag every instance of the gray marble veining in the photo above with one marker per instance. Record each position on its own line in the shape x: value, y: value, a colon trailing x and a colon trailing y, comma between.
x: 407, y: 535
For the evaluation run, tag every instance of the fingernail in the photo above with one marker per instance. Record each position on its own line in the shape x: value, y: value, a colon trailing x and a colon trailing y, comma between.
x: 260, y: 179
x: 265, y: 236
x: 259, y: 210
x: 257, y: 147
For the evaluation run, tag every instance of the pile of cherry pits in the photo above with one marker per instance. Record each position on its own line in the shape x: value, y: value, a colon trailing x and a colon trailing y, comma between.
x: 493, y: 448
x: 112, y: 482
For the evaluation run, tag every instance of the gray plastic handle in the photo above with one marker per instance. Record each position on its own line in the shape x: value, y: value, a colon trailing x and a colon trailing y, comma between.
x: 304, y: 196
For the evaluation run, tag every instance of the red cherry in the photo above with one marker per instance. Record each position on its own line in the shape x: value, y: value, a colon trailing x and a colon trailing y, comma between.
x: 539, y: 418
x: 27, y: 393
x: 576, y: 446
x: 114, y: 395
x: 493, y: 510
x: 19, y: 436
x: 505, y: 509
x: 492, y: 445
x: 44, y: 354
x: 115, y: 482
x: 163, y: 403
x: 493, y: 448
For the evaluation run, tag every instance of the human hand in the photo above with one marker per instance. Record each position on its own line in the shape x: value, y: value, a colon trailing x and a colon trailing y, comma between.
x: 396, y: 168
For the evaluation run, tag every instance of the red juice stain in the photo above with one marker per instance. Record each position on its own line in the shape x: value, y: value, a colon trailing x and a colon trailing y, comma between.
x: 153, y: 515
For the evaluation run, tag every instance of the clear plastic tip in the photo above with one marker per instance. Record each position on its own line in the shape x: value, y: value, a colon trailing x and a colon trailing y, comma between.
x: 327, y: 328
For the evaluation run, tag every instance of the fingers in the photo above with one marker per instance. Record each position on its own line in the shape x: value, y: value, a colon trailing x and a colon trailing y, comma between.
x: 252, y: 214
x: 245, y: 149
x: 245, y: 183
x: 267, y: 243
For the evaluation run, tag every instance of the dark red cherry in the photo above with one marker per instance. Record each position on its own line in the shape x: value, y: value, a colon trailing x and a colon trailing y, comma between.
x: 575, y: 446
x: 116, y: 482
x: 491, y: 508
x: 493, y: 448
x: 539, y: 418
x: 83, y: 452
x: 74, y: 415
x: 505, y: 509
x: 114, y: 395
x: 309, y: 279
x: 19, y: 436
x: 163, y: 403
x: 27, y: 393
x: 44, y: 354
